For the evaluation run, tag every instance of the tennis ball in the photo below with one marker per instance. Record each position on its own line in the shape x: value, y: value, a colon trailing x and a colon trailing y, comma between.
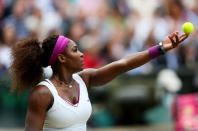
x: 187, y: 28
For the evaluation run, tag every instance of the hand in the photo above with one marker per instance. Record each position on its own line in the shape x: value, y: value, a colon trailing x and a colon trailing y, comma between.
x: 173, y: 40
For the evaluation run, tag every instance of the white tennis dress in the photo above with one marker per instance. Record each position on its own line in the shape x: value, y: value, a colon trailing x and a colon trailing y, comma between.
x: 63, y: 115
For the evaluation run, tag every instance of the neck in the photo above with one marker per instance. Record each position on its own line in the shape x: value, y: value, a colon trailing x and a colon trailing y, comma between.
x: 63, y: 75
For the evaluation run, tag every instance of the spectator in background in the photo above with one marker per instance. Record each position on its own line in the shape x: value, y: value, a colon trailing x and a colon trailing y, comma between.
x: 9, y: 38
x: 33, y: 22
x: 91, y: 46
x: 17, y: 19
x: 2, y: 67
x: 77, y: 30
x: 1, y: 11
x: 117, y: 47
x: 39, y: 18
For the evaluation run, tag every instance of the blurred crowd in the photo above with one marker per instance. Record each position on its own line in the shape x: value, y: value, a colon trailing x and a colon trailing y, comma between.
x: 105, y: 30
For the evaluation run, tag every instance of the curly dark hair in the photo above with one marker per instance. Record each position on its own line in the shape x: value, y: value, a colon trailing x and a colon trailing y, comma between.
x: 28, y: 59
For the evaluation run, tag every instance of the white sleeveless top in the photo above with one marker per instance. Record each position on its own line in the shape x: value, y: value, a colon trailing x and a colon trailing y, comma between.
x: 63, y: 115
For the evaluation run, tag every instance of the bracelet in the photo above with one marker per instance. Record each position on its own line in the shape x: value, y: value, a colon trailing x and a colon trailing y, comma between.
x: 161, y: 48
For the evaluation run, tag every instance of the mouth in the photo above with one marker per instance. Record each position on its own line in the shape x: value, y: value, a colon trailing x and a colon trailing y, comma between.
x: 82, y: 61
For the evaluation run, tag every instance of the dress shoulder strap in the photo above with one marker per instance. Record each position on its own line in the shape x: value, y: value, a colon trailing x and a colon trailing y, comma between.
x: 78, y: 78
x: 50, y: 86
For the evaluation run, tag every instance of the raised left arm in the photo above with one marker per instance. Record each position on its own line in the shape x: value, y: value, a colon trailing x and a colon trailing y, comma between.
x: 98, y: 77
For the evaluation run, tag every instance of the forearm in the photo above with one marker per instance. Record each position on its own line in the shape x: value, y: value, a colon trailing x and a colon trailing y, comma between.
x: 135, y: 60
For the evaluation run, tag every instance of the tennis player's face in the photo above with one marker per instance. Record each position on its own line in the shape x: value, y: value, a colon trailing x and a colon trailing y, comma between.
x: 74, y: 57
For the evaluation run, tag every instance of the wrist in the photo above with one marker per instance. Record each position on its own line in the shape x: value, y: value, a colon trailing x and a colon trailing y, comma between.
x: 156, y: 51
x: 161, y: 48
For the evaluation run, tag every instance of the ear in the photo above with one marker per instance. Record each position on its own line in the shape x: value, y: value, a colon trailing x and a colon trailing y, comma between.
x: 61, y: 58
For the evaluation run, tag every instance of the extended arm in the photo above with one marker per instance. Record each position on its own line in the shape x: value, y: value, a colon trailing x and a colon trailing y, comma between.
x: 97, y: 77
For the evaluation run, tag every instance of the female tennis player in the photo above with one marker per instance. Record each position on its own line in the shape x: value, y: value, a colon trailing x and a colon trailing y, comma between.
x: 61, y: 103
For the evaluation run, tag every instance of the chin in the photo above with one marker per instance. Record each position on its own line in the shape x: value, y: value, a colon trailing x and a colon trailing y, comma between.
x: 80, y: 69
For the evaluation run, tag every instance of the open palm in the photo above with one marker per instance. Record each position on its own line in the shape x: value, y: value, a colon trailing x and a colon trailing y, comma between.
x: 173, y: 40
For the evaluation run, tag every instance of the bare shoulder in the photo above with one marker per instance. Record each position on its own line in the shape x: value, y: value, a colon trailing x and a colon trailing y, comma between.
x: 40, y: 91
x: 40, y: 96
x: 85, y: 75
x: 86, y: 72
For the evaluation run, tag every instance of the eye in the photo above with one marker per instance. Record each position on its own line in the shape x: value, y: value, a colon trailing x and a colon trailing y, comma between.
x: 75, y: 49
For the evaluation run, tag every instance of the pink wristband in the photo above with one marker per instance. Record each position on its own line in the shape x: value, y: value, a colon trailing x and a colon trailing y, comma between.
x: 154, y: 52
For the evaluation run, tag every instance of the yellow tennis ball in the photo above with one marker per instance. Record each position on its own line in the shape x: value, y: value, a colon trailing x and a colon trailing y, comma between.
x: 187, y: 28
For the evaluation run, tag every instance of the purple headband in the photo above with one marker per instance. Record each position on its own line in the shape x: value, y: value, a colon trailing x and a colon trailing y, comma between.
x: 61, y: 43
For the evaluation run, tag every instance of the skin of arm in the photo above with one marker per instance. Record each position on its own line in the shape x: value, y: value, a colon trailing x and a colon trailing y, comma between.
x: 101, y: 76
x: 39, y: 102
x: 98, y: 77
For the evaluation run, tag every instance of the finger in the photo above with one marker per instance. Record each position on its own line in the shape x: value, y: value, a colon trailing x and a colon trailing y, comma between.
x: 184, y: 37
x: 177, y: 32
x: 177, y: 41
x: 172, y: 41
x: 172, y: 35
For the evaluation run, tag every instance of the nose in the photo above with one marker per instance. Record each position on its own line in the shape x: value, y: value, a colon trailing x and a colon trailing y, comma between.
x: 81, y: 54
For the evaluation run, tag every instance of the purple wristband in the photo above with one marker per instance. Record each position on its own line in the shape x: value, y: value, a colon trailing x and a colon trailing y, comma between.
x: 154, y: 52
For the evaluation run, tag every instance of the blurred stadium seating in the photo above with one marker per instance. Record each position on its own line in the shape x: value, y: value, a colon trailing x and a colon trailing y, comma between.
x: 105, y: 31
